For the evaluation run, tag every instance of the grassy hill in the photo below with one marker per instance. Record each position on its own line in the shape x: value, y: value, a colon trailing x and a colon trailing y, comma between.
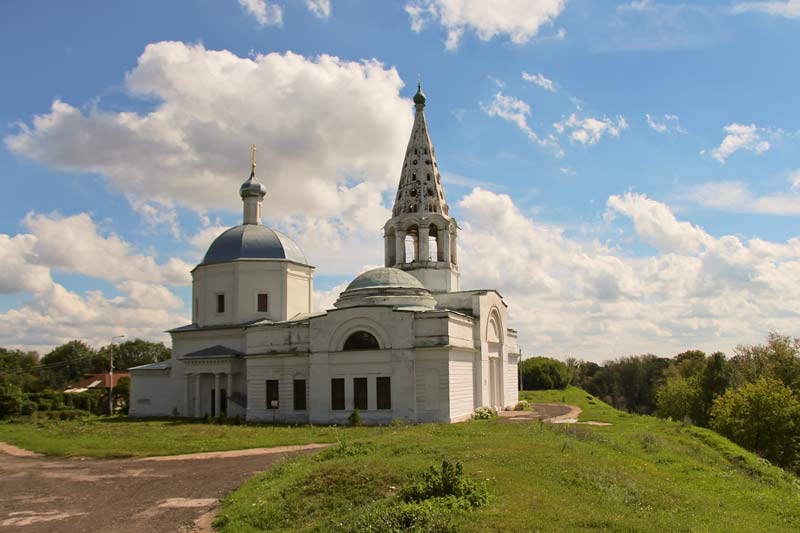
x: 638, y: 474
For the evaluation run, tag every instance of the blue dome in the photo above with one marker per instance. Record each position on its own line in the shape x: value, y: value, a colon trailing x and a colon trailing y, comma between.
x: 253, y: 241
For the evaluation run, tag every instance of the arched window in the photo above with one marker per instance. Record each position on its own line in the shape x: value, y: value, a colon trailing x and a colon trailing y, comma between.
x: 361, y: 340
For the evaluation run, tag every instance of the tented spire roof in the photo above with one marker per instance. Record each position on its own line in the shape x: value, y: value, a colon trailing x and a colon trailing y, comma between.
x: 420, y: 189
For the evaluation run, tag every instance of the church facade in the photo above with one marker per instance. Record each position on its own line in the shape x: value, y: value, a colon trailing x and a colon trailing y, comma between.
x: 401, y: 342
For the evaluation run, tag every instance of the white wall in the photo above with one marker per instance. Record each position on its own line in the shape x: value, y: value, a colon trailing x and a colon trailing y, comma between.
x: 511, y: 381
x: 152, y: 393
x: 288, y: 286
x: 285, y: 369
x: 460, y: 375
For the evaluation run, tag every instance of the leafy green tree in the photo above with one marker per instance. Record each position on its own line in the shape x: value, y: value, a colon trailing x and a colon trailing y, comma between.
x: 69, y: 363
x: 541, y: 373
x: 711, y: 381
x: 779, y: 359
x: 763, y: 417
x: 678, y: 399
x: 135, y: 352
x: 19, y: 368
x: 687, y: 364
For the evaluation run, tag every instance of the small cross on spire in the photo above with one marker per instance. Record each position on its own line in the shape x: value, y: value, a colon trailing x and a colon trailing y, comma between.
x: 254, y: 156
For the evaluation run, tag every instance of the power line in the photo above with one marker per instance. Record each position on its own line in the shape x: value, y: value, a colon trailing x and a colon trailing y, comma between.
x: 50, y: 365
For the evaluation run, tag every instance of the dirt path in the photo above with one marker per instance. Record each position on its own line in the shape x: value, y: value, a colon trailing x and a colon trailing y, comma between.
x: 156, y: 494
x: 555, y: 413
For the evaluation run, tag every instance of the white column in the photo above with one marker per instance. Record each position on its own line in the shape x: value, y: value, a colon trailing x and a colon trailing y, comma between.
x: 444, y: 242
x: 218, y: 394
x: 400, y: 246
x: 387, y: 251
x: 197, y: 395
x: 453, y: 250
x: 422, y: 240
x: 186, y: 386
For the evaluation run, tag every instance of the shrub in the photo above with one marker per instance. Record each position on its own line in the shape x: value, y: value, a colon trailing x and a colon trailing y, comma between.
x: 343, y: 449
x: 483, y: 413
x: 60, y: 414
x: 445, y: 482
x: 763, y: 417
x: 355, y: 418
x: 522, y: 406
x: 431, y: 516
x: 541, y: 373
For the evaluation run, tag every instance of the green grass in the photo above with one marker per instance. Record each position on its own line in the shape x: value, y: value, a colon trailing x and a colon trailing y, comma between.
x: 639, y: 474
x: 121, y: 437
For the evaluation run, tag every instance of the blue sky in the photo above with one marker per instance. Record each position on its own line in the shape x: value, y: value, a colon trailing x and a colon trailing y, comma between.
x: 625, y: 173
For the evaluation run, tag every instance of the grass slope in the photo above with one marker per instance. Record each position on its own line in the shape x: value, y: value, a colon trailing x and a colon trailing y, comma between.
x: 122, y: 437
x: 639, y: 474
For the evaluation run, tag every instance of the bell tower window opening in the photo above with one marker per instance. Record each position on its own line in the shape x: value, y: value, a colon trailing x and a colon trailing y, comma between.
x: 262, y: 303
x: 435, y: 254
x: 411, y: 247
x: 220, y: 303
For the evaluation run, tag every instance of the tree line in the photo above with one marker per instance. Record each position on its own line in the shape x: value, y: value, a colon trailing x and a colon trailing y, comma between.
x: 752, y: 397
x: 30, y: 382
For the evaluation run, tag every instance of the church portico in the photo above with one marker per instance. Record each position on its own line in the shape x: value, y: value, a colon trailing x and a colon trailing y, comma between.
x: 401, y: 342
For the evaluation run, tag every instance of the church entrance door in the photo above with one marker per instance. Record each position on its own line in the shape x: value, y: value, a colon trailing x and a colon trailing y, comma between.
x: 223, y: 402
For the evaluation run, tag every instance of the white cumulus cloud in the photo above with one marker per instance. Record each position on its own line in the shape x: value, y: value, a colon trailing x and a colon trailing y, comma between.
x: 665, y: 125
x: 540, y: 80
x: 265, y: 13
x: 144, y: 307
x: 589, y: 130
x: 516, y: 111
x: 782, y: 8
x: 333, y: 122
x: 520, y: 20
x: 740, y: 137
x: 320, y: 8
x: 581, y: 297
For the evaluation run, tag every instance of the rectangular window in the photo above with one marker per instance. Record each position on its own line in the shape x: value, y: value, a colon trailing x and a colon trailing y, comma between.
x: 220, y: 303
x: 360, y: 393
x: 384, y: 393
x: 337, y: 394
x: 263, y: 303
x: 272, y: 394
x: 299, y: 395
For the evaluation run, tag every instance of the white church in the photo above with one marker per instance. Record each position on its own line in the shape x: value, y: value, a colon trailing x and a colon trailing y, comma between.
x: 401, y: 342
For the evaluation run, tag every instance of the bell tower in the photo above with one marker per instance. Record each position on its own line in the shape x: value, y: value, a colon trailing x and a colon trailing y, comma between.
x: 420, y: 238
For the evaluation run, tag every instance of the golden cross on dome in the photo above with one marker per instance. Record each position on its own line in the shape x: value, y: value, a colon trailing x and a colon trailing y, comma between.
x: 254, y: 156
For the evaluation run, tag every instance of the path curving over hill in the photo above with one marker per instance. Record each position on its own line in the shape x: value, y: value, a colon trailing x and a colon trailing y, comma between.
x: 172, y: 493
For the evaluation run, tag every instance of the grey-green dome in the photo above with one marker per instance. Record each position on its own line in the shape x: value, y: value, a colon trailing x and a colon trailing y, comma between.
x: 253, y: 241
x: 384, y: 277
x: 386, y: 286
x: 419, y: 98
x: 252, y: 187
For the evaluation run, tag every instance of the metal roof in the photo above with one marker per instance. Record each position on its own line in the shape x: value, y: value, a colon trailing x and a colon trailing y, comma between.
x: 383, y: 278
x: 253, y: 241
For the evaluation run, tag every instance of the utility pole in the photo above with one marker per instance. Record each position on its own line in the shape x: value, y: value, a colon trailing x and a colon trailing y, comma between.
x: 111, y: 375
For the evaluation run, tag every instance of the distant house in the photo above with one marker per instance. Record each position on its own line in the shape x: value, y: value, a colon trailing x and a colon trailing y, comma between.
x: 97, y: 382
